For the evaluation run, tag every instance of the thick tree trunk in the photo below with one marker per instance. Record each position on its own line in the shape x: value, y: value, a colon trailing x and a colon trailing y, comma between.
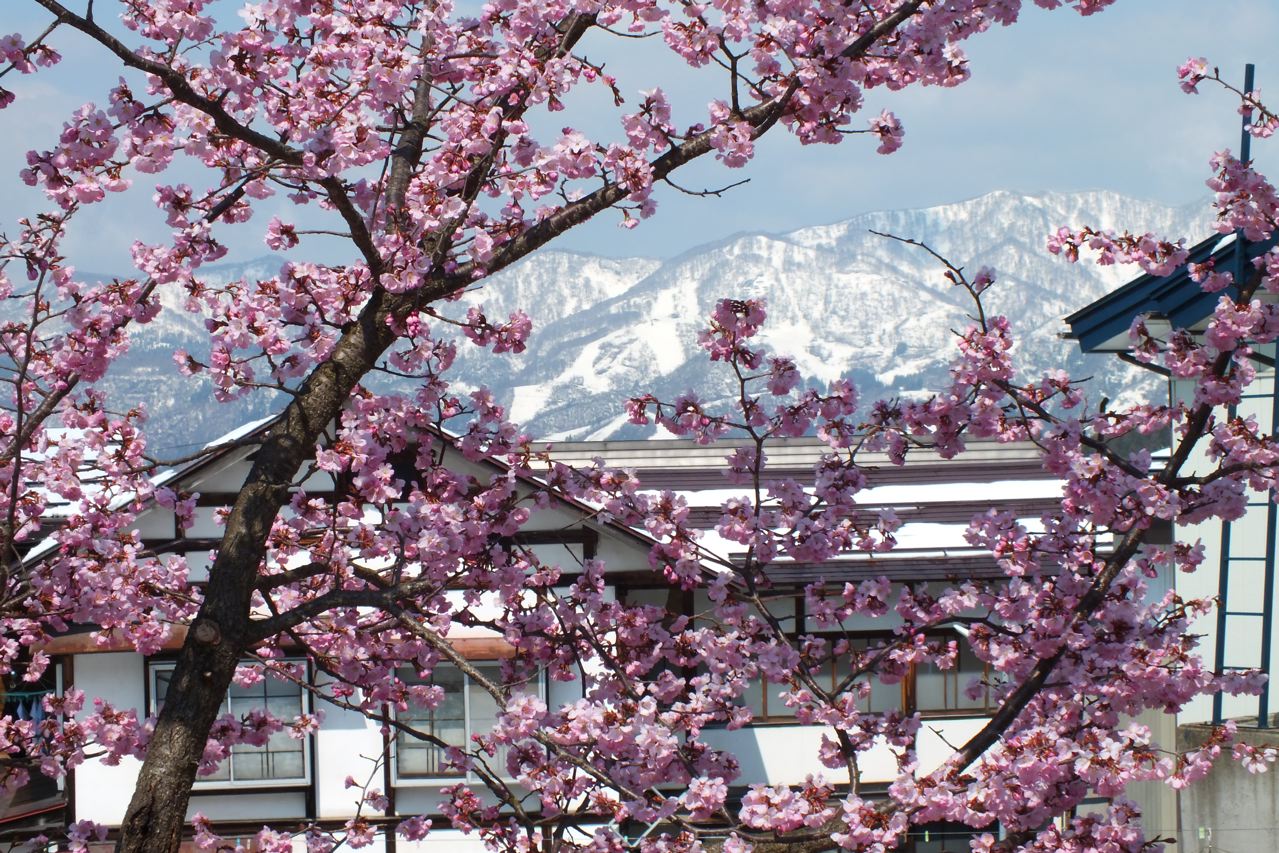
x: 219, y: 636
x: 157, y: 812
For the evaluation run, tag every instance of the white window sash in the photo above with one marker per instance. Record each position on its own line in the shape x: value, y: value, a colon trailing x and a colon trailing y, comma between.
x: 205, y: 783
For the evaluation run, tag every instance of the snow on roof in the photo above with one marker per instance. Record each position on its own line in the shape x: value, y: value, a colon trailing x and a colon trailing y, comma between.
x: 933, y: 503
x: 979, y: 494
x: 242, y: 431
x: 58, y: 509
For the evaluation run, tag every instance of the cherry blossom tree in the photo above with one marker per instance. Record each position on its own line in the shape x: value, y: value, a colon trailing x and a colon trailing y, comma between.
x: 413, y: 132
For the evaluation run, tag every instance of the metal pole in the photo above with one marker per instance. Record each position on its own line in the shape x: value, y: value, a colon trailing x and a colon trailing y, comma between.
x: 1223, y: 572
x: 1223, y: 584
x: 1245, y: 142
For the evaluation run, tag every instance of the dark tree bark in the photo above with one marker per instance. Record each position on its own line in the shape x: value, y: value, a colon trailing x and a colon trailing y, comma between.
x: 223, y: 629
x: 218, y: 638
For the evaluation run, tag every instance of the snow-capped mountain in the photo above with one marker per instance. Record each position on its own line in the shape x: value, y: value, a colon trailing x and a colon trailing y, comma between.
x: 842, y: 301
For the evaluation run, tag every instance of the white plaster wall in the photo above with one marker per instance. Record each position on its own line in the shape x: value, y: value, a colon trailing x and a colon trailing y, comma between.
x: 788, y: 754
x: 439, y: 841
x: 198, y: 565
x: 621, y: 552
x: 155, y: 523
x: 102, y: 793
x: 418, y: 798
x: 299, y: 843
x: 556, y: 516
x: 567, y: 555
x: 316, y: 481
x: 259, y: 806
x: 228, y: 477
x: 938, y: 737
x: 774, y: 754
x: 205, y: 523
x: 561, y: 693
x: 347, y: 744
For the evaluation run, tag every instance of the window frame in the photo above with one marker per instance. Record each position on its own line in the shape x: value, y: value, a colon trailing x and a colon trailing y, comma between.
x: 904, y: 687
x: 41, y: 791
x: 908, y: 686
x: 951, y: 679
x: 204, y: 783
x: 399, y: 779
x: 908, y: 701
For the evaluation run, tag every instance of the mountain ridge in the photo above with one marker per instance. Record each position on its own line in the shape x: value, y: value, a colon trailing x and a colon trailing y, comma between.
x: 842, y: 301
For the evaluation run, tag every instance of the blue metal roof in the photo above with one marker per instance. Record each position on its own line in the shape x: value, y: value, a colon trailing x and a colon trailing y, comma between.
x: 1173, y: 296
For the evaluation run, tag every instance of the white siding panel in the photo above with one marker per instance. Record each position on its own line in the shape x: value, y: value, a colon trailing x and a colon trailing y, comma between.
x: 256, y: 806
x: 347, y: 744
x: 102, y: 793
x: 156, y: 523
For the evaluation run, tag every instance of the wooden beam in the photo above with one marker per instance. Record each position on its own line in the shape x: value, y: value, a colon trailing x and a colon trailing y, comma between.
x: 84, y: 642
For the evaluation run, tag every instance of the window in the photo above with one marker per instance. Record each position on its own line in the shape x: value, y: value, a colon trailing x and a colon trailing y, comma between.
x: 925, y: 688
x: 467, y: 709
x: 883, y: 697
x: 945, y: 691
x: 282, y: 760
x: 24, y: 700
x: 943, y: 837
x: 766, y: 702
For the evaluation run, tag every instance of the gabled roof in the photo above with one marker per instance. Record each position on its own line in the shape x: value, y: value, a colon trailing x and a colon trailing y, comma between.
x: 934, y: 499
x: 58, y: 510
x: 216, y: 451
x: 1103, y: 325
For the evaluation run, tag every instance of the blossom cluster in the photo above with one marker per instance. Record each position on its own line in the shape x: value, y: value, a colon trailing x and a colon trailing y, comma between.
x: 419, y: 135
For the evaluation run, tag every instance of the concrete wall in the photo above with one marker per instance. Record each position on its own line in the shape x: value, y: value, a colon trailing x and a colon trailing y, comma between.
x: 1232, y: 810
x: 1157, y: 800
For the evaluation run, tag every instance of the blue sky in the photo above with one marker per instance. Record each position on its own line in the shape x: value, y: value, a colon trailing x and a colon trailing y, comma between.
x: 1057, y: 102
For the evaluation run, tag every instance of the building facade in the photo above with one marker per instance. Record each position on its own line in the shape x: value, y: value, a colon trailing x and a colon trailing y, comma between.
x: 1232, y: 809
x: 290, y: 782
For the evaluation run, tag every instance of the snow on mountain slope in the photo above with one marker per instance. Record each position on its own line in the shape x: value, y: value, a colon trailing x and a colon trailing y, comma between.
x: 842, y: 301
